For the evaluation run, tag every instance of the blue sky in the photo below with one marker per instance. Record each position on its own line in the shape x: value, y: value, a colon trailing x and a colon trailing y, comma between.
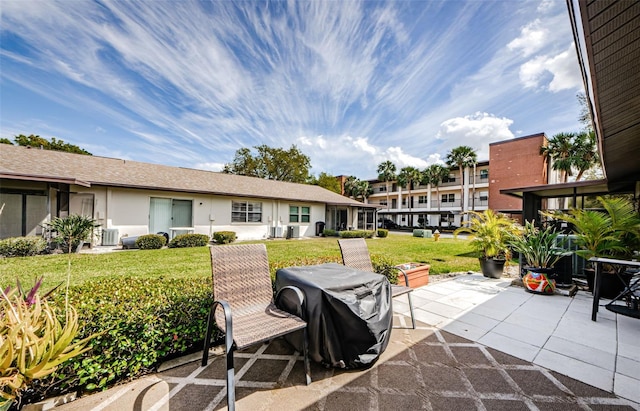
x: 350, y: 83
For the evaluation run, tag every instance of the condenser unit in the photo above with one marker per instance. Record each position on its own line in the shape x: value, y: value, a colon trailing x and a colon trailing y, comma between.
x: 110, y: 236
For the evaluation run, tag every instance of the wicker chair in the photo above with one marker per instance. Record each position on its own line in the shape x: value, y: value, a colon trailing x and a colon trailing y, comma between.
x: 356, y: 254
x: 242, y: 288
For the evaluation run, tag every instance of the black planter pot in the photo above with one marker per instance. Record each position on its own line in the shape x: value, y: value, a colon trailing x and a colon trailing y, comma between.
x: 611, y: 285
x: 492, y: 267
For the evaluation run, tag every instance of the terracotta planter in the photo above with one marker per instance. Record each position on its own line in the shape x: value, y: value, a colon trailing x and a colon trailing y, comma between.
x: 538, y: 280
x: 417, y: 274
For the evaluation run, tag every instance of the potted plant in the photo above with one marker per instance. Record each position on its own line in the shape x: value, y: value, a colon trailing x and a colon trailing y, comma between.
x: 489, y: 233
x: 540, y: 250
x: 613, y: 232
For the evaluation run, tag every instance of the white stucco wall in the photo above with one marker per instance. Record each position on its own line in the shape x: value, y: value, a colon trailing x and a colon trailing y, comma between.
x: 127, y: 210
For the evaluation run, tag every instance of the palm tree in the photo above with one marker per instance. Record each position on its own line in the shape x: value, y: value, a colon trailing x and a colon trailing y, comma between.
x: 586, y: 155
x: 434, y: 175
x: 387, y: 173
x: 462, y: 157
x: 408, y: 176
x: 350, y: 186
x: 363, y: 190
x: 560, y: 149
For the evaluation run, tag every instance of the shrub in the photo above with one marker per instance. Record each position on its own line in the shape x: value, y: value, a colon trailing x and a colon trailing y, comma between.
x: 224, y: 237
x: 356, y: 234
x: 189, y: 240
x: 35, y: 339
x: 71, y: 230
x: 383, y: 265
x: 382, y: 232
x: 301, y: 261
x: 22, y: 246
x: 329, y: 233
x: 144, y: 322
x: 150, y: 241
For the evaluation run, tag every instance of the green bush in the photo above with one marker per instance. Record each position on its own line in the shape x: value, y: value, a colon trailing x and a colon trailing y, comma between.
x: 383, y: 265
x: 224, y: 237
x: 356, y: 234
x: 189, y: 240
x: 145, y: 321
x: 71, y: 230
x: 329, y: 233
x: 22, y: 246
x: 150, y: 241
x: 382, y: 232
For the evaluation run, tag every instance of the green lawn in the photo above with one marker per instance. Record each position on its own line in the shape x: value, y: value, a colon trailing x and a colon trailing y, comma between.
x: 446, y: 255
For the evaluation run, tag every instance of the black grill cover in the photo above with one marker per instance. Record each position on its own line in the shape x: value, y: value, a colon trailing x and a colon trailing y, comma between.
x: 348, y: 312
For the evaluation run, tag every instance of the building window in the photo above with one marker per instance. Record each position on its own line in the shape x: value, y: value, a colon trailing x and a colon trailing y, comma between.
x: 449, y: 179
x: 383, y: 202
x: 484, y: 174
x: 484, y: 197
x: 422, y: 199
x: 246, y: 212
x: 299, y: 214
x: 382, y: 189
x: 448, y: 198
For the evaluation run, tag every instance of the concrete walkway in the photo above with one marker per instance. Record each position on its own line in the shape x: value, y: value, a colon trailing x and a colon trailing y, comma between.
x: 480, y: 344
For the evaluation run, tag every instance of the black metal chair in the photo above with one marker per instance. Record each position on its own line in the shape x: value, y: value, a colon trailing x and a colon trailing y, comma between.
x: 355, y: 254
x: 242, y: 288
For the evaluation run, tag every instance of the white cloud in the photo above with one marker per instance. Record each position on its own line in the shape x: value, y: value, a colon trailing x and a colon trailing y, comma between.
x: 209, y: 166
x: 533, y: 37
x: 355, y: 155
x: 476, y: 130
x: 555, y: 73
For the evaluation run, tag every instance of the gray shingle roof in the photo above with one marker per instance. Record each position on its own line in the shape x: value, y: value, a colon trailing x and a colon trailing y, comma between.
x: 34, y: 164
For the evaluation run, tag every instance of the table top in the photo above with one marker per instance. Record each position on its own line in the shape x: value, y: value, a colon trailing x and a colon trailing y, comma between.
x: 327, y: 276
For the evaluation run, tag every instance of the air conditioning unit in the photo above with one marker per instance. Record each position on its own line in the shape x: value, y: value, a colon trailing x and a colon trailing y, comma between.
x: 276, y: 232
x: 110, y: 236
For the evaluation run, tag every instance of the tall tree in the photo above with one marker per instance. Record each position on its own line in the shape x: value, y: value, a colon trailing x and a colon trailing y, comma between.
x: 271, y: 164
x: 363, y: 190
x: 560, y: 149
x: 434, y: 175
x: 351, y: 186
x: 406, y: 178
x: 53, y: 144
x: 462, y: 157
x: 327, y: 181
x: 387, y: 173
x: 585, y: 153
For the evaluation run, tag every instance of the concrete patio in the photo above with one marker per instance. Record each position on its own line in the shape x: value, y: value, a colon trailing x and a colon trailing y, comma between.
x: 481, y: 344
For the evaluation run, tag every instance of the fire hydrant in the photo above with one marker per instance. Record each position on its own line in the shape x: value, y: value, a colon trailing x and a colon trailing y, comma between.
x: 436, y: 235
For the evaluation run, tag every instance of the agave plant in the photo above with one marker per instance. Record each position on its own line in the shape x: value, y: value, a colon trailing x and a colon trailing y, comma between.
x: 33, y: 341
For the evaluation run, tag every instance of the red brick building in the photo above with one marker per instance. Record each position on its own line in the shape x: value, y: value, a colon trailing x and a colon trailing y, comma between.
x: 515, y: 163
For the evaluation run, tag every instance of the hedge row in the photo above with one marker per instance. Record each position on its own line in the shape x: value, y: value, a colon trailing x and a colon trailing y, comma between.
x: 143, y: 321
x: 22, y: 246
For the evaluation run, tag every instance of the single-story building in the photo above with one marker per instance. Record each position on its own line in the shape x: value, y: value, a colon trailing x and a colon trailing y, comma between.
x: 130, y: 198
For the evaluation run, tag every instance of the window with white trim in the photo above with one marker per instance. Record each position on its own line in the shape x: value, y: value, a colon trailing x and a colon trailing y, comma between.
x: 299, y: 214
x: 448, y: 198
x: 246, y: 212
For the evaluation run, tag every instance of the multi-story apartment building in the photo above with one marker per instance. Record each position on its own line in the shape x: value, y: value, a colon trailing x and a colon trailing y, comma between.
x: 427, y: 205
x: 513, y: 163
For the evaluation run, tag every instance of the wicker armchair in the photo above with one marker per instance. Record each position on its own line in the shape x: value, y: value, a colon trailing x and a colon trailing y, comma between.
x: 242, y: 288
x: 356, y: 254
